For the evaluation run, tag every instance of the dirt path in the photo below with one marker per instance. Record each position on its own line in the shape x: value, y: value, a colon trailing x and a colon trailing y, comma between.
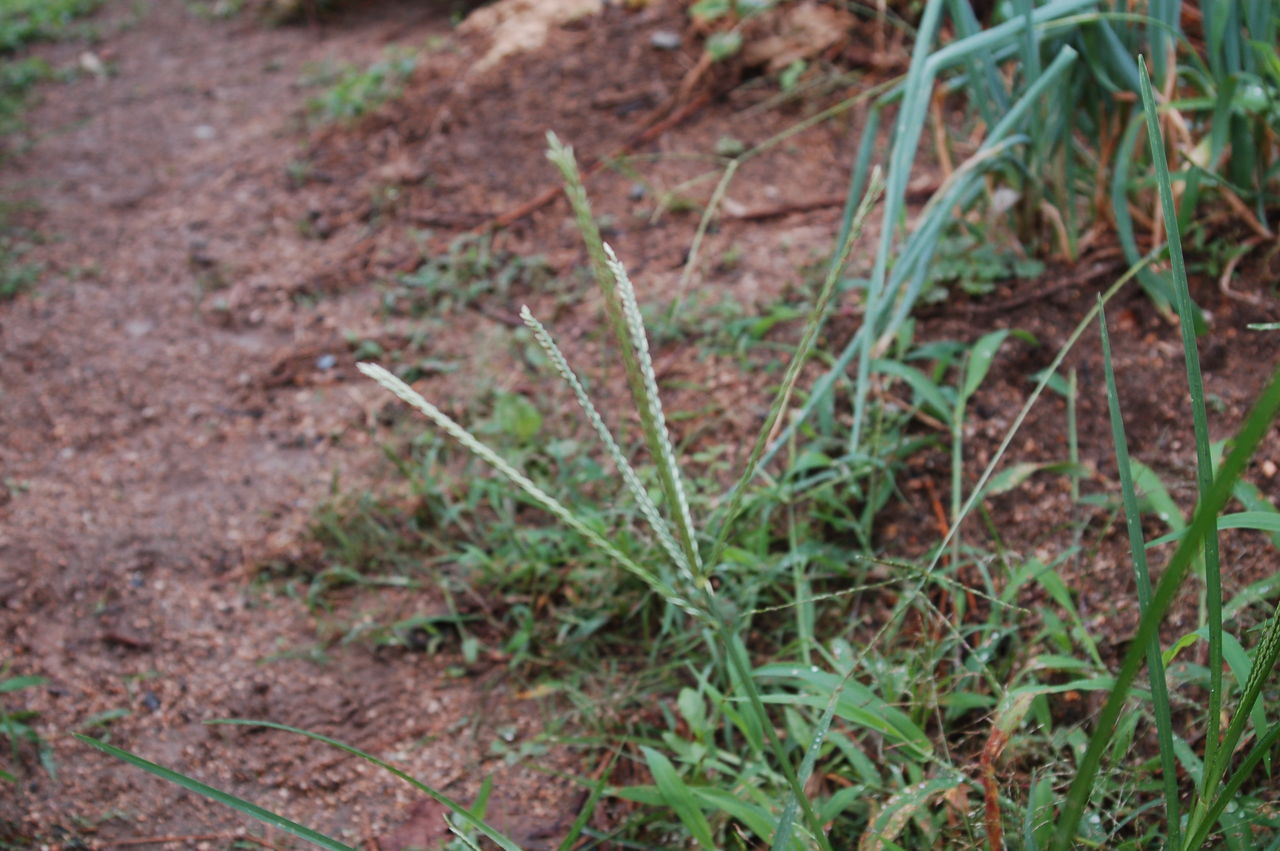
x: 146, y: 463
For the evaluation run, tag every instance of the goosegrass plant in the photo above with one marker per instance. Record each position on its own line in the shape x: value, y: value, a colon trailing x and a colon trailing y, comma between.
x: 685, y: 582
x: 852, y: 740
x: 695, y: 561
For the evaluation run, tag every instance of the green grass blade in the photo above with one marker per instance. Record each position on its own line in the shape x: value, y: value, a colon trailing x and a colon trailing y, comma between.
x: 1137, y: 550
x: 1156, y: 496
x: 1259, y: 521
x: 980, y: 359
x: 745, y: 678
x: 1152, y: 283
x: 1229, y: 790
x: 1199, y: 417
x: 858, y: 174
x: 462, y: 812
x: 218, y: 796
x: 704, y: 223
x: 733, y: 504
x: 926, y: 395
x: 585, y: 812
x: 756, y: 818
x: 1264, y: 662
x: 17, y: 683
x: 853, y: 702
x: 679, y: 797
x: 1202, y: 524
x: 786, y: 822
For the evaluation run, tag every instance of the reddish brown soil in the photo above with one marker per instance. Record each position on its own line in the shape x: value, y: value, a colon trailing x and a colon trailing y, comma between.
x: 168, y: 423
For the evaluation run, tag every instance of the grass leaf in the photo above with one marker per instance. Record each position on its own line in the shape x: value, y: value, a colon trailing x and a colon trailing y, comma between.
x: 263, y: 815
x: 466, y: 814
x: 678, y: 797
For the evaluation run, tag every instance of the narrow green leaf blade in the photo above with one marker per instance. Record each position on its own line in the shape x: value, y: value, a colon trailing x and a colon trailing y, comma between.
x: 678, y: 796
x: 16, y: 683
x: 217, y: 795
x: 462, y: 812
x: 980, y: 359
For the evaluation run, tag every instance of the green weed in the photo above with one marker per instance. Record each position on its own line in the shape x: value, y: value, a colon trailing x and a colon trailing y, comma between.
x: 969, y: 263
x: 350, y: 92
x: 16, y: 276
x: 25, y: 21
x: 469, y: 272
x: 18, y: 734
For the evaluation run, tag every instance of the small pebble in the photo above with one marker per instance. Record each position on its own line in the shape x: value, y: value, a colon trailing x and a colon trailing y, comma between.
x: 326, y: 362
x: 636, y: 192
x: 665, y: 40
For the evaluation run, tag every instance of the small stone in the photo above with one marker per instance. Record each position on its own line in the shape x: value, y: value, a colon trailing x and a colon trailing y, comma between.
x: 325, y: 362
x: 136, y: 328
x: 665, y: 40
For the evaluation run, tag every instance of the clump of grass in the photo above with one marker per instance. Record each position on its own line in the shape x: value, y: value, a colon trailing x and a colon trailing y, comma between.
x: 350, y: 92
x: 17, y: 77
x: 967, y: 262
x: 18, y: 735
x: 16, y: 276
x: 683, y: 578
x: 1221, y: 777
x: 25, y: 21
x: 471, y: 270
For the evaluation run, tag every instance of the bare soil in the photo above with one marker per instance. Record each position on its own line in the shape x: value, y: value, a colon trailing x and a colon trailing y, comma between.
x: 179, y: 392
